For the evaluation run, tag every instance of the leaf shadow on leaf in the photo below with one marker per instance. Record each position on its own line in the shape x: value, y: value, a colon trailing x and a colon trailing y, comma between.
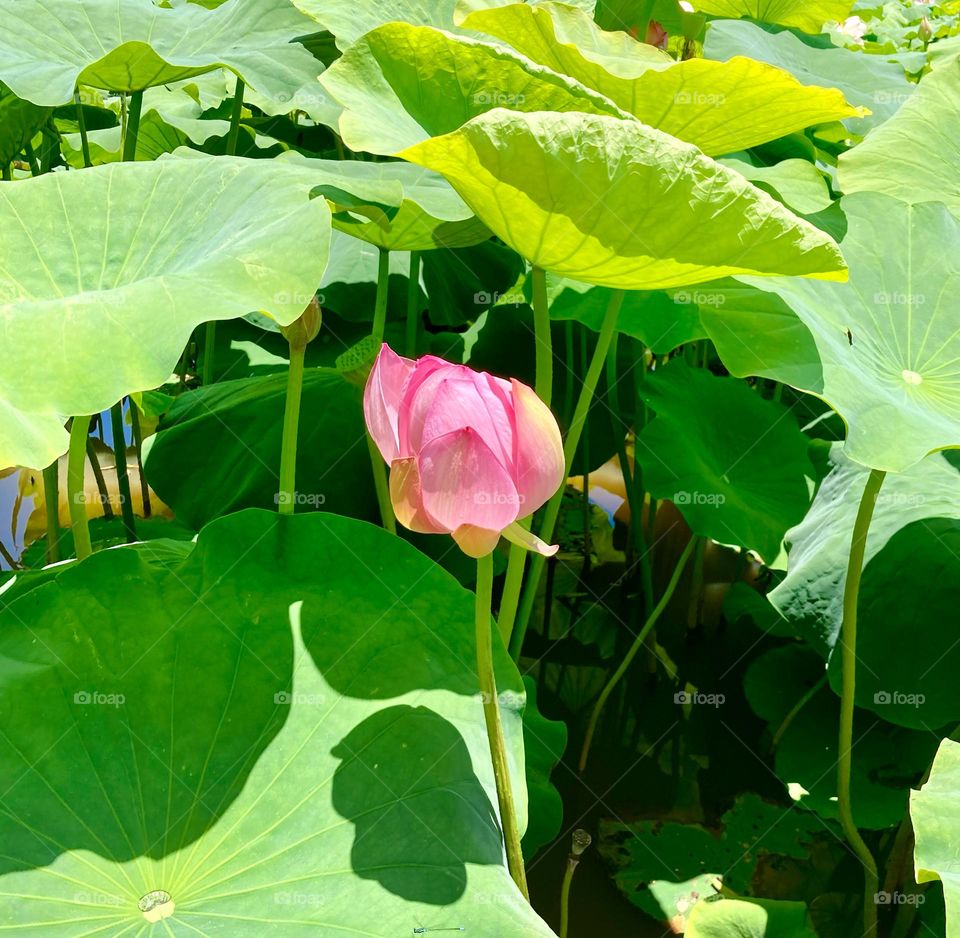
x: 404, y: 767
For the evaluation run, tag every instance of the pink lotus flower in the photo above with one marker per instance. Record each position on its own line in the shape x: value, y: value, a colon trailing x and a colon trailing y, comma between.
x: 469, y: 454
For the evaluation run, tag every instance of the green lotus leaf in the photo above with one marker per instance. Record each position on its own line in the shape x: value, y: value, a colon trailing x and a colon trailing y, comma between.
x: 750, y: 918
x: 544, y: 742
x: 20, y: 122
x: 403, y: 84
x: 886, y: 759
x: 619, y: 204
x: 934, y: 813
x: 167, y: 745
x: 806, y: 15
x: 887, y: 340
x: 333, y: 471
x: 915, y: 156
x: 720, y: 107
x: 104, y: 274
x: 46, y: 49
x: 875, y: 82
x: 797, y: 183
x: 734, y: 464
x: 396, y: 206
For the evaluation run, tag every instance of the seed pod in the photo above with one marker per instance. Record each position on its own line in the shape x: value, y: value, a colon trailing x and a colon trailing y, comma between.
x: 301, y: 332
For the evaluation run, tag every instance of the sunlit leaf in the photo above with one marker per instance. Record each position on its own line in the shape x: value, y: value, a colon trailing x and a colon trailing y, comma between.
x: 750, y: 918
x: 807, y: 15
x: 615, y: 203
x: 104, y: 273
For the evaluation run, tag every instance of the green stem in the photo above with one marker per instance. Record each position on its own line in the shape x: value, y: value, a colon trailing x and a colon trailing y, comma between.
x: 382, y: 487
x: 94, y: 461
x: 848, y: 647
x: 51, y: 501
x: 383, y: 289
x: 31, y: 158
x: 138, y: 449
x: 795, y: 710
x: 209, y: 352
x: 5, y: 173
x: 512, y: 583
x: 291, y: 424
x: 491, y: 715
x: 413, y: 305
x: 632, y: 653
x: 120, y: 461
x: 234, y: 135
x: 77, y: 503
x: 133, y: 127
x: 82, y: 125
x: 552, y: 510
x: 544, y: 339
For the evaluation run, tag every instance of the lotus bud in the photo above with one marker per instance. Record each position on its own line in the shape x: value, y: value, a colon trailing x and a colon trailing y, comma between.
x: 926, y: 30
x: 301, y: 332
x: 470, y: 454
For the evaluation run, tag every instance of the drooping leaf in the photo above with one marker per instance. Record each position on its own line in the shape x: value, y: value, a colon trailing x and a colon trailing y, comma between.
x: 619, y: 204
x: 750, y: 918
x: 167, y: 747
x: 218, y: 449
x: 720, y: 107
x: 46, y: 49
x: 806, y: 15
x: 396, y: 206
x: 402, y: 84
x: 798, y: 183
x: 933, y: 811
x: 20, y: 121
x: 870, y: 81
x: 114, y: 267
x: 887, y: 340
x: 734, y: 464
x: 915, y: 156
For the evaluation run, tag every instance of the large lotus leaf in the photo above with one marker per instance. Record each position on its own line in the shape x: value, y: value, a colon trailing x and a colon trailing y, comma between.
x: 750, y: 918
x: 870, y: 81
x: 402, y: 84
x: 887, y: 340
x: 935, y: 813
x: 734, y: 464
x: 806, y: 15
x: 46, y: 48
x: 916, y: 155
x: 218, y: 449
x: 886, y: 759
x: 544, y: 742
x: 718, y: 106
x: 105, y: 273
x: 164, y: 739
x: 396, y: 206
x: 20, y: 121
x: 660, y: 320
x: 619, y: 204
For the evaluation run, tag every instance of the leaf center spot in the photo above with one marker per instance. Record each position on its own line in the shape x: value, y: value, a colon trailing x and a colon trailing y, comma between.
x: 911, y: 377
x: 156, y: 905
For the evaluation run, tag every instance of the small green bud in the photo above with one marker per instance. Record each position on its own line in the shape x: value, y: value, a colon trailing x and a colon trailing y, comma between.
x: 301, y: 332
x: 926, y: 30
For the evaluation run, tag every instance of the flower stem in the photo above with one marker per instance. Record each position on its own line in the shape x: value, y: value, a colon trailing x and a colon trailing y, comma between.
x: 76, y: 462
x: 544, y: 339
x: 383, y: 289
x: 82, y: 126
x: 491, y: 715
x: 51, y: 502
x: 291, y: 425
x: 413, y: 310
x: 120, y: 462
x: 510, y: 598
x: 552, y: 510
x: 133, y: 127
x: 581, y: 840
x: 848, y: 648
x: 632, y: 653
